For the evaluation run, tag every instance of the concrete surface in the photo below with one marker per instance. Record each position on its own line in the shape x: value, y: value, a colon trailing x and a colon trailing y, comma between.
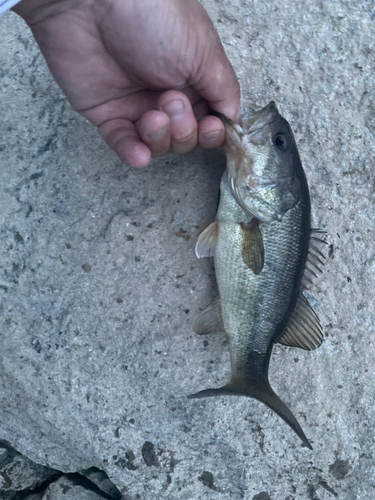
x: 100, y: 286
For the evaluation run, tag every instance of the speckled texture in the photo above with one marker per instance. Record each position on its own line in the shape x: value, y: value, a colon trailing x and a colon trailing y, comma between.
x: 19, y: 473
x: 66, y: 489
x: 20, y: 476
x: 100, y: 286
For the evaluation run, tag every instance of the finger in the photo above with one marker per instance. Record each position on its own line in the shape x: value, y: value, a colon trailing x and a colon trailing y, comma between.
x: 211, y: 132
x: 132, y: 105
x: 182, y: 121
x: 154, y: 130
x: 122, y: 137
x: 221, y: 88
x: 200, y: 109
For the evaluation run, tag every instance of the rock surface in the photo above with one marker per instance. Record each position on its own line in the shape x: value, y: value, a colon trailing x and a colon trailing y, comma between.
x: 36, y: 496
x: 101, y: 480
x: 18, y: 473
x: 99, y: 284
x: 66, y: 489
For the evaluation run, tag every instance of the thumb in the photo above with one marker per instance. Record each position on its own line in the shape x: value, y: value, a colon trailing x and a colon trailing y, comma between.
x: 215, y: 79
x: 220, y: 87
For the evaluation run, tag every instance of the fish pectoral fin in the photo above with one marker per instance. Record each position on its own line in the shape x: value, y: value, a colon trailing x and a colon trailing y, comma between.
x: 209, y: 320
x: 251, y: 244
x: 263, y: 392
x: 206, y: 243
x: 303, y: 329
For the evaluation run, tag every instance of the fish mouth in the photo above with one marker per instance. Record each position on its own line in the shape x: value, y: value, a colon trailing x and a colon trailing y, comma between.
x: 261, y: 118
x: 256, y: 131
x: 257, y: 125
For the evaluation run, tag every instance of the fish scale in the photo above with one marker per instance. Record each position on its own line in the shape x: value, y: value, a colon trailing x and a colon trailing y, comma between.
x: 260, y: 244
x: 241, y: 291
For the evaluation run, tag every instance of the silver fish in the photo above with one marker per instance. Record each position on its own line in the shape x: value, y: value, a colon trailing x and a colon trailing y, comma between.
x: 264, y: 251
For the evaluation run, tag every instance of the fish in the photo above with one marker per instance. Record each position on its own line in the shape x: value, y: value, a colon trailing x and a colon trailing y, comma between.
x: 265, y: 253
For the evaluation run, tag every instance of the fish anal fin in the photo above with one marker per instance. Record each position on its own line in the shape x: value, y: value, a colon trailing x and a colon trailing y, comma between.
x: 303, y: 329
x: 209, y: 320
x: 207, y: 240
x: 262, y: 391
x: 251, y: 244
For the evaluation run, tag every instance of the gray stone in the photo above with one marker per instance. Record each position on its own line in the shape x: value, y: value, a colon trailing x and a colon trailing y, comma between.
x: 100, y: 286
x: 18, y: 473
x: 66, y: 489
x: 36, y: 496
x: 8, y: 495
x: 101, y: 480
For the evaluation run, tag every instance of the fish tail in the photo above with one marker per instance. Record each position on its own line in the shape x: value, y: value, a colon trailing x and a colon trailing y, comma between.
x: 262, y: 391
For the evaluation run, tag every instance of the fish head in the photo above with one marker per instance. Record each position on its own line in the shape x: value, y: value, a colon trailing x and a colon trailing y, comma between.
x: 263, y: 164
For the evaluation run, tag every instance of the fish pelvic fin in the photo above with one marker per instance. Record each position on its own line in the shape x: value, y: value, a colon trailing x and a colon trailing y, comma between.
x: 263, y: 392
x: 207, y: 240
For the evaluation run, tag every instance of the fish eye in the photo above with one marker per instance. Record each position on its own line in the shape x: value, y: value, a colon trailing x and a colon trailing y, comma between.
x: 281, y: 142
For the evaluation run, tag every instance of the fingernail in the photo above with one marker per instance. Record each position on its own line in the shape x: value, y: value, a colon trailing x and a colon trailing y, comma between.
x: 174, y: 109
x: 157, y: 136
x: 214, y: 136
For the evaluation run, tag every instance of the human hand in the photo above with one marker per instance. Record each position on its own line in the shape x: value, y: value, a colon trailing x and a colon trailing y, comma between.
x: 144, y: 72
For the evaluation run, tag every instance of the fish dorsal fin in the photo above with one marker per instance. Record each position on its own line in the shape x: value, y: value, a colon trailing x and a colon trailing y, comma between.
x: 315, y: 257
x: 206, y: 243
x: 251, y: 244
x: 209, y: 320
x: 303, y: 329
